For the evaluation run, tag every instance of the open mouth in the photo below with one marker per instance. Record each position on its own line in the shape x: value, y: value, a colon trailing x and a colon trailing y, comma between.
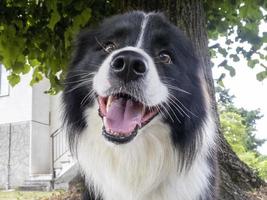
x: 122, y: 116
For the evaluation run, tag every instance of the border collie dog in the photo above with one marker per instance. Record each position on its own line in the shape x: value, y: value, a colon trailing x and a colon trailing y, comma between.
x: 137, y: 112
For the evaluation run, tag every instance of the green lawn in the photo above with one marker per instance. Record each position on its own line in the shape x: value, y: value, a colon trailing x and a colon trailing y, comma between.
x: 19, y: 195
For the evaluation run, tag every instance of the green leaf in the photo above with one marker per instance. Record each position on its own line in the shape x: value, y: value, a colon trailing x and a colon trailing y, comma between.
x: 252, y: 63
x: 34, y: 62
x: 250, y: 10
x: 231, y: 70
x: 26, y: 68
x: 13, y: 79
x: 228, y: 42
x: 261, y: 76
x: 220, y: 80
x: 228, y: 67
x: 222, y: 51
x: 249, y: 35
x: 235, y: 57
x: 36, y: 76
x: 55, y: 17
x: 212, y: 53
x: 264, y: 37
x: 80, y: 20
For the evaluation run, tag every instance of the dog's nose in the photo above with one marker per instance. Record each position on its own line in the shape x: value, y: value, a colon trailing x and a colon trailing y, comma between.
x: 128, y: 66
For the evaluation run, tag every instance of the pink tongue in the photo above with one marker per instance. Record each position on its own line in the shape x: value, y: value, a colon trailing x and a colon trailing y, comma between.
x: 123, y: 116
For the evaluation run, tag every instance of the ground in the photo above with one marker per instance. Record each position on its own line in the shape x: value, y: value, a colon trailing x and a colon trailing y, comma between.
x: 260, y: 194
x: 19, y: 195
x: 56, y: 195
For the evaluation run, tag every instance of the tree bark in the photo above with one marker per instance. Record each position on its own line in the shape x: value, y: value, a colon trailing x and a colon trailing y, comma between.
x: 236, y: 177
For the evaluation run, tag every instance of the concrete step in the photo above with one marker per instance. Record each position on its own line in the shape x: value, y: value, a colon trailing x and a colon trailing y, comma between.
x: 66, y: 175
x: 35, y: 184
x: 33, y: 188
x: 64, y: 161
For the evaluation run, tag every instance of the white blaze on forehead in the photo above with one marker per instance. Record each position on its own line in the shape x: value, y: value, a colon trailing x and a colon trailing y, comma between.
x: 140, y: 38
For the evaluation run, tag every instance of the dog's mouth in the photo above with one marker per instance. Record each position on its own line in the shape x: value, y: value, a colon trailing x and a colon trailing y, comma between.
x: 122, y: 116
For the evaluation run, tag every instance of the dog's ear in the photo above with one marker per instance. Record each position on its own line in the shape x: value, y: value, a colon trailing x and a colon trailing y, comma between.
x: 73, y: 116
x: 84, y: 40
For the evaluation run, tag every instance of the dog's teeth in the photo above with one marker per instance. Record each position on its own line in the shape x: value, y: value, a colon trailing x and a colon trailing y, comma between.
x: 115, y: 133
x: 105, y: 122
x: 110, y: 98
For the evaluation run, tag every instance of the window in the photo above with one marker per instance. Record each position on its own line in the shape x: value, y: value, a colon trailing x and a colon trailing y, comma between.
x: 4, y: 86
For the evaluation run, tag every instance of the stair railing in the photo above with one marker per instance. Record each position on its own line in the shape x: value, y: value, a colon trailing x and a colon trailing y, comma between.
x: 59, y: 149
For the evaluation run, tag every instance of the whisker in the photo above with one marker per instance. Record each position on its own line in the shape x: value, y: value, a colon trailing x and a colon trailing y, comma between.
x: 166, y: 111
x: 170, y: 86
x: 177, y: 88
x: 183, y: 105
x: 80, y: 74
x: 173, y: 113
x: 87, y: 97
x: 178, y: 107
x: 81, y: 70
x: 161, y: 112
x: 77, y: 81
x: 100, y: 44
x: 79, y: 86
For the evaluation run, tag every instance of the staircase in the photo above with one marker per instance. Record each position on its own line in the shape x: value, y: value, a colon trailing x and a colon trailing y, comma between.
x: 38, y: 183
x: 64, y: 168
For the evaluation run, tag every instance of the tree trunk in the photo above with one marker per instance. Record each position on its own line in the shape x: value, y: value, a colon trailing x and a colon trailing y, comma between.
x: 236, y: 177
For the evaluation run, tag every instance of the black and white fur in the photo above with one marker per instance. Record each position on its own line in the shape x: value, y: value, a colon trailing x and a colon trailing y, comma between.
x: 173, y: 157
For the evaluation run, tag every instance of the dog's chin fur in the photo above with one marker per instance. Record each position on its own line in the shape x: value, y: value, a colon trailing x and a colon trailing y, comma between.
x: 173, y: 156
x: 146, y: 168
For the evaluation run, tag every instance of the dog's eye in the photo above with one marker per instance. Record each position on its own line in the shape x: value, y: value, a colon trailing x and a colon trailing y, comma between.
x: 165, y: 57
x: 109, y: 47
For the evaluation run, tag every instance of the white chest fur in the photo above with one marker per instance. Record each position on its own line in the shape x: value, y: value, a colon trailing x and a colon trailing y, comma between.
x: 144, y: 169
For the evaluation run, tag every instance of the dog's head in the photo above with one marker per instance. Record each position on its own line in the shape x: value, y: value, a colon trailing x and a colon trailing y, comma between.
x: 136, y: 66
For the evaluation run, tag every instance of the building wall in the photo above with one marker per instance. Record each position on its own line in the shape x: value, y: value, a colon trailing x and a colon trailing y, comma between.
x: 29, y: 112
x: 26, y: 109
x: 40, y: 137
x: 16, y: 107
x: 14, y: 153
x: 15, y: 111
x: 55, y: 112
x: 4, y: 140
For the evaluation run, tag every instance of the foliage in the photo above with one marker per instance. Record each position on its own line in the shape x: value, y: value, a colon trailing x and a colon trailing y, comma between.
x: 247, y: 118
x: 238, y: 127
x: 238, y: 22
x: 38, y: 34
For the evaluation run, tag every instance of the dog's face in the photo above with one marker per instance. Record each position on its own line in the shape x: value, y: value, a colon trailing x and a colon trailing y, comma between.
x: 135, y: 66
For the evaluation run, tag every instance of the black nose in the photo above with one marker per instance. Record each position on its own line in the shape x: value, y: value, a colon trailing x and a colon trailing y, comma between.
x: 128, y: 66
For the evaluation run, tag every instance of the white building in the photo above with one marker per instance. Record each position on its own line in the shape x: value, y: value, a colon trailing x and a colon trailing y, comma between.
x: 33, y: 150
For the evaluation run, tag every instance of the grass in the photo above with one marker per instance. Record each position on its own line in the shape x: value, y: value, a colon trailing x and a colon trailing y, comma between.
x: 21, y: 195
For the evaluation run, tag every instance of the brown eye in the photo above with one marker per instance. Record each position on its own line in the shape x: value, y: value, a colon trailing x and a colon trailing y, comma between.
x: 109, y: 47
x: 165, y: 57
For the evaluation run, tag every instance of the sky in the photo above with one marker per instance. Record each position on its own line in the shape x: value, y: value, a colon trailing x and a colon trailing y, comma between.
x: 250, y: 93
